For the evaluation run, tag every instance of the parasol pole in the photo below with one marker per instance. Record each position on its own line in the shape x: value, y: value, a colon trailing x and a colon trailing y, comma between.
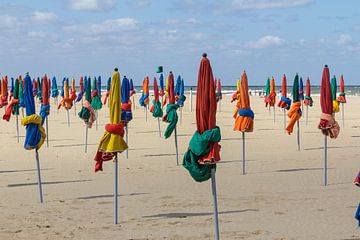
x: 298, y: 134
x: 86, y: 136
x: 39, y: 175
x: 96, y: 113
x: 127, y: 139
x: 343, y: 114
x: 325, y: 160
x: 68, y: 117
x: 284, y: 119
x: 145, y: 113
x: 180, y: 115
x: 17, y: 128
x: 190, y: 99
x: 176, y: 147
x: 220, y: 105
x: 243, y: 153
x: 274, y: 113
x: 116, y: 189
x: 216, y: 219
x: 307, y: 114
x: 47, y: 131
x: 159, y: 127
x: 133, y: 102
x: 75, y: 107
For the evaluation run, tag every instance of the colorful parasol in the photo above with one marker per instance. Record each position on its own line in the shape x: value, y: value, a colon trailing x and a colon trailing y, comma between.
x: 156, y: 109
x: 270, y: 100
x: 87, y: 112
x: 39, y: 89
x: 45, y: 106
x: 107, y: 90
x: 327, y: 125
x: 99, y: 86
x: 73, y: 95
x: 54, y: 88
x: 35, y: 133
x: 95, y: 101
x: 336, y: 107
x: 342, y: 96
x: 236, y: 95
x: 11, y: 89
x: 4, y: 94
x: 13, y: 107
x: 34, y: 88
x: 126, y: 114
x: 144, y: 100
x: 308, y: 99
x: 204, y: 149
x: 218, y: 90
x: 301, y: 89
x: 81, y: 89
x: 171, y: 116
x: 21, y: 94
x: 161, y: 82
x: 295, y: 111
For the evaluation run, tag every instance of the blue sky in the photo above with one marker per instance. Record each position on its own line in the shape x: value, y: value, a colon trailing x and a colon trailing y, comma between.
x: 264, y: 37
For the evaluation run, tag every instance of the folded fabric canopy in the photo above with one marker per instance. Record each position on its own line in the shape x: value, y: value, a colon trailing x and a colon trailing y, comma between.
x: 95, y: 101
x: 66, y: 101
x: 295, y: 111
x: 308, y: 99
x: 45, y: 106
x: 284, y: 102
x: 156, y: 109
x: 108, y: 84
x: 112, y: 140
x: 341, y: 98
x: 54, y: 88
x: 144, y: 100
x: 126, y: 114
x: 87, y: 112
x: 336, y: 107
x: 13, y: 107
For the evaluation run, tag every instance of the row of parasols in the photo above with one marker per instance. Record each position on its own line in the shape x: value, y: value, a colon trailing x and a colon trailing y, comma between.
x: 204, y: 149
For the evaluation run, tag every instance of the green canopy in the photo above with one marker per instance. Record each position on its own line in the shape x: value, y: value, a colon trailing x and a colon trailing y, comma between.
x: 333, y: 88
x: 295, y: 91
x: 267, y: 87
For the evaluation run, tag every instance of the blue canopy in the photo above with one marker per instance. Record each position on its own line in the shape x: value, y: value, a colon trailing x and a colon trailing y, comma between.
x: 62, y: 88
x: 181, y: 98
x: 33, y: 134
x: 125, y: 90
x: 301, y: 89
x: 54, y: 88
x: 177, y: 86
x: 161, y: 79
x: 12, y: 86
x: 108, y: 85
x: 131, y: 85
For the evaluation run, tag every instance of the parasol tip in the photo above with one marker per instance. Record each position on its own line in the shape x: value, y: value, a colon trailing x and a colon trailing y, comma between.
x: 326, y: 65
x: 170, y: 72
x: 204, y: 55
x: 116, y: 69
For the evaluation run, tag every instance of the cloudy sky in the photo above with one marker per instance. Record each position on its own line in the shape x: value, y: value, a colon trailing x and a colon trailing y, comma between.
x: 263, y: 37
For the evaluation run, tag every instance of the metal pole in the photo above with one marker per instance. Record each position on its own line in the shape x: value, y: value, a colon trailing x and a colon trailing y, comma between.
x: 274, y: 113
x: 190, y: 99
x: 68, y: 117
x: 243, y: 153
x: 47, y: 131
x: 75, y: 108
x: 96, y: 113
x: 343, y: 114
x: 307, y: 114
x: 325, y: 161
x: 17, y: 128
x: 86, y: 136
x: 145, y: 113
x: 180, y: 115
x: 159, y: 127
x: 116, y: 189
x: 216, y: 219
x: 298, y: 135
x: 127, y: 141
x: 284, y: 119
x: 176, y: 147
x: 39, y: 175
x: 133, y: 101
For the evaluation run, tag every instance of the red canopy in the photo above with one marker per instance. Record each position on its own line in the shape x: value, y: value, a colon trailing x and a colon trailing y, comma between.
x: 308, y: 88
x: 156, y: 90
x: 283, y: 87
x: 45, y: 91
x: 342, y: 86
x: 206, y: 107
x: 171, y: 94
x: 325, y: 92
x: 81, y: 84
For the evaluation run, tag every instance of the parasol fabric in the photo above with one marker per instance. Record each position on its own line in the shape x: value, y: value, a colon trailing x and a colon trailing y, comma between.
x: 336, y: 107
x: 35, y: 133
x: 342, y: 98
x: 54, y: 88
x: 39, y: 90
x: 126, y: 114
x: 11, y: 89
x: 87, y: 112
x: 166, y: 94
x: 95, y: 101
x: 284, y: 102
x: 132, y: 89
x: 4, y: 94
x: 204, y: 148
x: 236, y: 95
x: 156, y: 109
x: 45, y: 106
x: 81, y: 89
x: 13, y: 106
x: 308, y: 99
x: 66, y: 101
x: 99, y: 86
x: 270, y: 98
x: 34, y: 88
x: 244, y: 120
x: 161, y: 83
x: 218, y: 90
x: 181, y: 98
x: 108, y: 84
x: 301, y: 89
x: 73, y: 95
x: 112, y: 140
x: 144, y: 100
x: 21, y: 92
x: 295, y: 111
x: 327, y: 125
x: 171, y: 116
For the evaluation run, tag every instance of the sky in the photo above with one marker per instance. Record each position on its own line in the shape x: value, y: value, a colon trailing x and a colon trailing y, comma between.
x: 264, y: 37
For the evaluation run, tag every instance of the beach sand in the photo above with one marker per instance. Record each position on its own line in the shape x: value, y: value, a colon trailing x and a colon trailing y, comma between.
x: 281, y: 197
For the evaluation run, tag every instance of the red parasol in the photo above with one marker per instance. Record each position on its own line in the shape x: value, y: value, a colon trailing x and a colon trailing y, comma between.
x: 171, y: 94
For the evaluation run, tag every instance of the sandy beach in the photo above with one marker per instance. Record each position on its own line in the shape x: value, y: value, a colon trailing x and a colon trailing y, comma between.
x: 281, y: 197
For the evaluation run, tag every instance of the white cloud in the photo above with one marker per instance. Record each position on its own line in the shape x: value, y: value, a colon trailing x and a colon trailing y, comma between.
x: 91, y: 5
x: 267, y: 4
x: 36, y: 34
x: 139, y: 4
x: 44, y: 17
x: 265, y: 42
x: 344, y: 39
x: 8, y: 22
x: 115, y: 25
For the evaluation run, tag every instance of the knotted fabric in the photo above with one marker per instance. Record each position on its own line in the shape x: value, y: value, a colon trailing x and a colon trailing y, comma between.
x: 126, y: 113
x: 112, y: 142
x: 336, y: 107
x: 96, y: 101
x: 8, y: 112
x: 328, y: 125
x: 44, y: 112
x: 156, y: 109
x: 35, y: 132
x: 284, y: 102
x: 170, y: 117
x: 199, y: 148
x: 87, y: 113
x: 294, y: 114
x: 308, y: 101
